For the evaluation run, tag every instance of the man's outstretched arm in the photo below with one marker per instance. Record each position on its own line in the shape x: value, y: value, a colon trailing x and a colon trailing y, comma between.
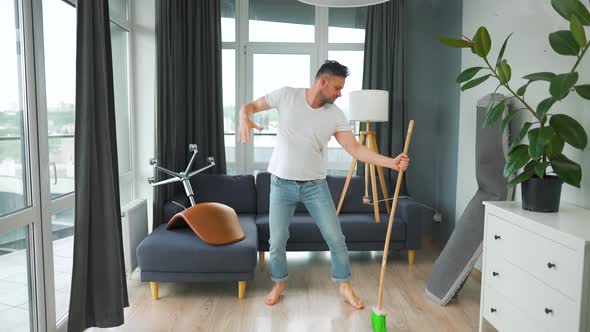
x: 246, y: 124
x: 360, y: 152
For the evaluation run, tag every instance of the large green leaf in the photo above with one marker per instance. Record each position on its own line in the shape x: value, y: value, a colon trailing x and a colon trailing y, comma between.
x: 578, y: 31
x: 504, y: 72
x: 522, y: 90
x: 530, y: 165
x: 483, y: 42
x: 538, y: 139
x: 521, y: 178
x: 555, y: 146
x: 501, y: 54
x: 521, y: 134
x: 541, y: 76
x: 492, y: 100
x: 507, y: 119
x: 583, y: 90
x: 517, y: 158
x: 566, y: 169
x: 475, y: 82
x: 468, y: 74
x: 493, y: 115
x: 564, y: 43
x: 540, y: 169
x: 453, y: 42
x: 562, y: 84
x: 567, y: 8
x: 570, y: 130
x: 544, y: 107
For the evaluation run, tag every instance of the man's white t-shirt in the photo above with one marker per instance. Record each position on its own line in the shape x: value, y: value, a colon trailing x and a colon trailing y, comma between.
x: 303, y: 134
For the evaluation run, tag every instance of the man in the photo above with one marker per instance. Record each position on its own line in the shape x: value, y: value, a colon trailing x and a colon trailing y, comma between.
x: 307, y: 120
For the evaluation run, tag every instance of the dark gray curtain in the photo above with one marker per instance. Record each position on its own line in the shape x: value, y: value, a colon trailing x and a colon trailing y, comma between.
x: 189, y: 99
x: 99, y: 289
x: 384, y: 70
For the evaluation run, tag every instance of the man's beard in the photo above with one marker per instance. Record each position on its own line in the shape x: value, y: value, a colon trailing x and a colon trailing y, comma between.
x: 327, y: 100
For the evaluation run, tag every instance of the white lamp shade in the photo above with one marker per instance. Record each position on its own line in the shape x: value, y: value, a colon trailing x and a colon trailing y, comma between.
x: 369, y: 105
x: 342, y: 3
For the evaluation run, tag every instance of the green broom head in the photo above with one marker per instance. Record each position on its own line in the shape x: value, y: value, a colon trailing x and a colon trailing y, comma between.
x: 378, y: 320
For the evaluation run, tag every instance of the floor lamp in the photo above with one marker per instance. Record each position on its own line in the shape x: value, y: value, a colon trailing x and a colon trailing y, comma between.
x: 368, y: 106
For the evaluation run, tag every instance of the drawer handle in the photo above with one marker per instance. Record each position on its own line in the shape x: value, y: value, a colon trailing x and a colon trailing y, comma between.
x: 550, y: 265
x: 497, y: 237
x: 548, y: 311
x: 493, y: 310
x: 495, y: 274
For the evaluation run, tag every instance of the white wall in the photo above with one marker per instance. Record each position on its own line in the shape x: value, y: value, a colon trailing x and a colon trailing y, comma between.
x: 528, y: 51
x: 143, y: 41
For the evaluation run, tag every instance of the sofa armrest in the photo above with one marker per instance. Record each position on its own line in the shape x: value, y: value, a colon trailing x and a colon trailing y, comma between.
x: 413, y: 213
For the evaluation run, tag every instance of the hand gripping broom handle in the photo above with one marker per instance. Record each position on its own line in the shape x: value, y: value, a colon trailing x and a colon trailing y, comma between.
x: 391, y: 217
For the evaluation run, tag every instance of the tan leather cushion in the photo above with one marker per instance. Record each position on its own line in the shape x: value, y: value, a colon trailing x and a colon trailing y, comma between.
x: 214, y: 223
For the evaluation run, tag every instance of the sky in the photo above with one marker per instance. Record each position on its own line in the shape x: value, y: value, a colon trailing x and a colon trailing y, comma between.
x: 60, y: 53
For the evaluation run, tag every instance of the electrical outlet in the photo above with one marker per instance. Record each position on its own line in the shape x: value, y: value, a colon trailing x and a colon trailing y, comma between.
x: 437, y: 217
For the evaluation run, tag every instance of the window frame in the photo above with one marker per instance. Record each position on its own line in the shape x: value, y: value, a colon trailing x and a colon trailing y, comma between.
x: 244, y: 50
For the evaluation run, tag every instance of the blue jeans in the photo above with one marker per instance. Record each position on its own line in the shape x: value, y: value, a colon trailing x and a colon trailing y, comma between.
x: 284, y: 196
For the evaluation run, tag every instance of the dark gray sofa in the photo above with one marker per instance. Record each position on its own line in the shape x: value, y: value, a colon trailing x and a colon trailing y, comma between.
x: 180, y: 256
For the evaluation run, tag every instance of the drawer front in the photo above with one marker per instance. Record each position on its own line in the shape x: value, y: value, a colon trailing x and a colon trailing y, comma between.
x: 505, y: 316
x: 542, y: 303
x: 558, y: 266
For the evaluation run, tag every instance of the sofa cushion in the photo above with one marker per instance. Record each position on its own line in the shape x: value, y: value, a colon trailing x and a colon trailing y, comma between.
x: 236, y: 191
x: 180, y: 250
x: 353, y: 201
x: 357, y: 227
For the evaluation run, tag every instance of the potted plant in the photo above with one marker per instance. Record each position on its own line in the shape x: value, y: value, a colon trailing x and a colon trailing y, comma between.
x: 544, y: 166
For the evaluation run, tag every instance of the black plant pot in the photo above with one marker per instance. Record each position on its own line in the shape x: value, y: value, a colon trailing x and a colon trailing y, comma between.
x: 541, y: 195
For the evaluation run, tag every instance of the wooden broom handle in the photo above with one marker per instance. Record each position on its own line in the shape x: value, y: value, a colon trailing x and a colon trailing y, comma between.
x: 391, y: 216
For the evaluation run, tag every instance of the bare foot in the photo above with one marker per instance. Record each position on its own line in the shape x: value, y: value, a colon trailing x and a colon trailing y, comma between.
x: 275, y: 294
x: 350, y: 296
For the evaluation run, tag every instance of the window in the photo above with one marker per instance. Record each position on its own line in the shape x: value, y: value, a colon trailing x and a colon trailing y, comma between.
x: 347, y: 25
x: 268, y: 44
x: 119, y: 46
x: 286, y: 21
x: 228, y: 21
x: 13, y: 187
x: 59, y: 32
x: 229, y: 103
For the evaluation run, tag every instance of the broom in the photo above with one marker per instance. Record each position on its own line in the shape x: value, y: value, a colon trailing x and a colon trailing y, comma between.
x: 378, y: 314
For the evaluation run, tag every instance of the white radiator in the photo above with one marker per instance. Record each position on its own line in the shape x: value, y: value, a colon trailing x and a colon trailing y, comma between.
x: 134, y: 224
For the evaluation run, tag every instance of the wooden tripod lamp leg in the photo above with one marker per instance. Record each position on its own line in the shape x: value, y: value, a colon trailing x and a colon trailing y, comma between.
x: 382, y: 178
x: 366, y: 199
x: 370, y: 142
x: 349, y: 177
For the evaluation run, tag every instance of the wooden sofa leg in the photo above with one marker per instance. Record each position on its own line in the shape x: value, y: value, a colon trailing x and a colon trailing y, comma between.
x: 261, y: 260
x: 411, y: 254
x: 154, y: 287
x: 241, y: 289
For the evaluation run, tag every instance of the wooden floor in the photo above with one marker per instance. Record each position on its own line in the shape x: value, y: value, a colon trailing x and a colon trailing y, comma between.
x: 311, y: 301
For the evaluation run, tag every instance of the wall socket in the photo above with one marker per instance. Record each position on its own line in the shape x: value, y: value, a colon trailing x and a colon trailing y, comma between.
x: 437, y: 217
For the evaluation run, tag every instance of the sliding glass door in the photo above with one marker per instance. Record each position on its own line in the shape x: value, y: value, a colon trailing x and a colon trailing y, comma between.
x: 22, y: 287
x: 37, y: 127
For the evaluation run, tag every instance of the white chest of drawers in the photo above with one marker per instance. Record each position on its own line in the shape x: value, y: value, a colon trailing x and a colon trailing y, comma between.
x: 536, y: 269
